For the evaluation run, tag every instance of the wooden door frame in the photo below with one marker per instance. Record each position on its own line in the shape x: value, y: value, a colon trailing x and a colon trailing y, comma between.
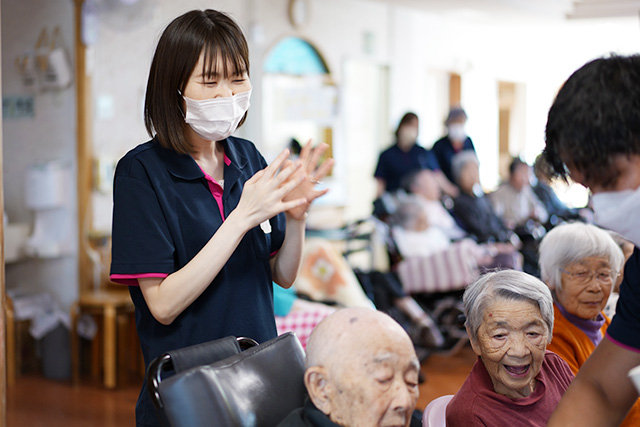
x: 84, y: 151
x: 3, y: 336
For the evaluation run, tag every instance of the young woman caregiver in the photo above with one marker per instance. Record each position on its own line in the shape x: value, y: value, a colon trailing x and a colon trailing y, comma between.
x: 201, y: 223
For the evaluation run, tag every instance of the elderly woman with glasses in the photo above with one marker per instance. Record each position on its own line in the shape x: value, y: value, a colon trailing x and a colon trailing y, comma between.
x: 515, y: 381
x: 580, y: 263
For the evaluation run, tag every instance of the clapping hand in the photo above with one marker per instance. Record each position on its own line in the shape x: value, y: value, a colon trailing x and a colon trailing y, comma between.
x: 314, y: 169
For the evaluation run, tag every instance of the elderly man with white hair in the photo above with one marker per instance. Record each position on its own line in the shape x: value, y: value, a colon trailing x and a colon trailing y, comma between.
x: 362, y: 370
x: 515, y: 381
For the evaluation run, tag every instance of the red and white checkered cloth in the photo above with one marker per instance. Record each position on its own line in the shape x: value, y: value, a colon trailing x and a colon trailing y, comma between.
x: 302, y: 323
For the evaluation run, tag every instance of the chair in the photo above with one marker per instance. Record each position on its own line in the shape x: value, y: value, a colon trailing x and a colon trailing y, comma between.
x: 116, y: 347
x: 110, y: 305
x: 434, y: 414
x: 10, y: 331
x: 258, y: 386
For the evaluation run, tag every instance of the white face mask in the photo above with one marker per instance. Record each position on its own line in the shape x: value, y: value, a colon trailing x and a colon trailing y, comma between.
x: 617, y: 210
x: 217, y: 118
x: 456, y: 132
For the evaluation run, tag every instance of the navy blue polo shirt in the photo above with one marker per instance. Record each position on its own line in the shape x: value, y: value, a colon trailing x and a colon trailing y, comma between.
x: 624, y: 329
x: 444, y: 152
x: 394, y: 164
x: 164, y: 213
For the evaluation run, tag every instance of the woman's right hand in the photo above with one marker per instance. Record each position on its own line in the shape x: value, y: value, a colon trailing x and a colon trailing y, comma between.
x: 263, y: 194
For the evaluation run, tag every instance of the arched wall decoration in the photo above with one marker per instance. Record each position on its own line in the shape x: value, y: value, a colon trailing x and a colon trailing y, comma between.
x: 300, y: 100
x: 295, y: 56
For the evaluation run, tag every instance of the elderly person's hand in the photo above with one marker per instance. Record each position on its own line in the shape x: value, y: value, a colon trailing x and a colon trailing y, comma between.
x: 515, y: 380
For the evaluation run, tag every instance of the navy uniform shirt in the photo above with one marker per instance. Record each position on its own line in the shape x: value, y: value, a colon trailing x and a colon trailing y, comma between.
x: 625, y: 325
x: 165, y: 211
x: 443, y: 151
x: 393, y: 164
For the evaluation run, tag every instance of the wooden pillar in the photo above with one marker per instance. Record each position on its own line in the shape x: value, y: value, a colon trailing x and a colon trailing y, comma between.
x: 3, y: 335
x: 84, y: 152
x: 455, y: 89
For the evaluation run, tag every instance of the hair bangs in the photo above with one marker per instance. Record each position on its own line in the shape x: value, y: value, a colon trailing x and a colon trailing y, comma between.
x: 222, y: 51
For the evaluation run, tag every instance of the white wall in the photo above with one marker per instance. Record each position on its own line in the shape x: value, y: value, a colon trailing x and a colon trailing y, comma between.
x: 337, y: 28
x: 539, y: 56
x: 50, y: 135
x: 415, y: 49
x: 418, y: 49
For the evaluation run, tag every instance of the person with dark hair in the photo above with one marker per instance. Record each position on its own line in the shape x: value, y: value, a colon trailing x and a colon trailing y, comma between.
x: 514, y: 200
x: 557, y: 210
x: 593, y: 137
x: 455, y: 141
x: 201, y: 224
x: 404, y: 156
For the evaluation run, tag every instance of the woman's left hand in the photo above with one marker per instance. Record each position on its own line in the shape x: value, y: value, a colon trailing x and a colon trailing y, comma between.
x: 315, y: 169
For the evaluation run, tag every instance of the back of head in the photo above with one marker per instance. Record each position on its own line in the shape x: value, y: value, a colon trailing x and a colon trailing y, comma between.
x: 569, y: 243
x: 505, y: 284
x: 595, y: 116
x: 198, y: 32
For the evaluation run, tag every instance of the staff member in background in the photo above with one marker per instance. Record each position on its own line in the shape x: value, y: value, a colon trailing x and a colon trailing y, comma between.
x: 406, y: 156
x: 201, y: 223
x: 455, y: 141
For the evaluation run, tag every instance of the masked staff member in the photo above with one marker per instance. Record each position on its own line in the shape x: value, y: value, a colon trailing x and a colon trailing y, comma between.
x: 201, y: 223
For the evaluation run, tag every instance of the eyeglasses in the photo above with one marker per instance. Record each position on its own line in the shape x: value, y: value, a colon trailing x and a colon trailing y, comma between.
x: 585, y: 276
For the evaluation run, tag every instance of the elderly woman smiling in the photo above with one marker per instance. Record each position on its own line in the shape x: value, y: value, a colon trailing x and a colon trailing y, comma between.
x: 515, y: 380
x: 580, y: 263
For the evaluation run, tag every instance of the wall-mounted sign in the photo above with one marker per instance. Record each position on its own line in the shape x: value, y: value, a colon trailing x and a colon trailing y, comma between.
x: 18, y: 107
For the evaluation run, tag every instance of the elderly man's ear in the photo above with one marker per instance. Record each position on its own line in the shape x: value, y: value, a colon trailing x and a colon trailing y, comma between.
x: 319, y: 388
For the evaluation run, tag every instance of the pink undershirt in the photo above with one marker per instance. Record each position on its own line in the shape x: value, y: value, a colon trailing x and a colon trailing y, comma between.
x: 216, y: 192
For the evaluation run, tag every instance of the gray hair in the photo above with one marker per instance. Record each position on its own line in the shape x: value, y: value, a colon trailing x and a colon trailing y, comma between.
x: 408, y: 211
x: 506, y: 285
x: 460, y: 160
x: 569, y: 243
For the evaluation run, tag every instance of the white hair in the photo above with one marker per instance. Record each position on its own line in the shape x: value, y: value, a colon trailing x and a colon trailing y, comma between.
x: 460, y: 160
x: 569, y: 243
x: 506, y: 285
